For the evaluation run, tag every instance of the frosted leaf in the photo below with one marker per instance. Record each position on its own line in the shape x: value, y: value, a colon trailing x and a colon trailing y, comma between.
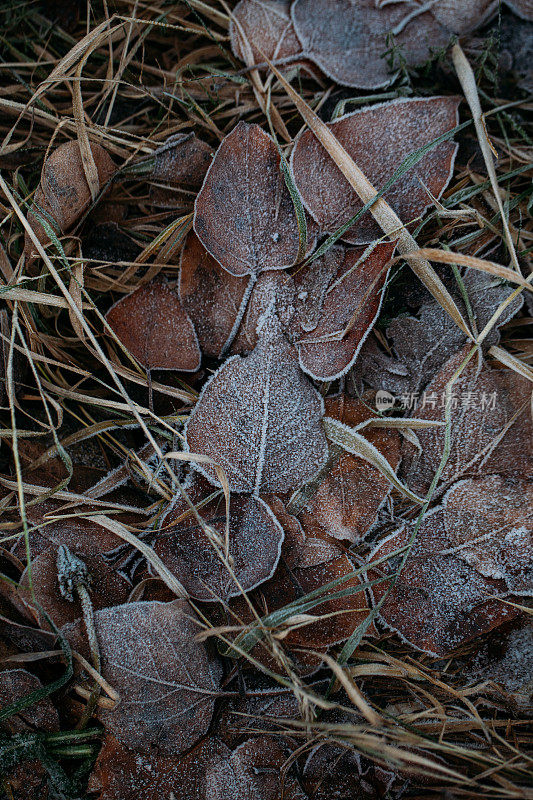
x: 106, y: 587
x: 439, y: 602
x: 490, y: 426
x: 213, y: 298
x: 348, y: 38
x: 182, y: 160
x: 301, y: 551
x: 463, y: 16
x: 259, y: 419
x: 523, y: 8
x: 334, y: 771
x: 258, y: 706
x: 350, y: 301
x: 254, y: 771
x: 255, y: 538
x: 351, y: 492
x: 16, y: 685
x: 244, y: 215
x: 152, y: 324
x: 511, y: 670
x: 268, y: 28
x: 378, y: 139
x: 489, y: 521
x: 167, y: 681
x: 121, y: 774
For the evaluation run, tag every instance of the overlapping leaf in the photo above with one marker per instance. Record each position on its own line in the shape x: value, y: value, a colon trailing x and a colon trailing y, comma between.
x: 152, y: 324
x: 268, y: 29
x: 378, y: 139
x: 244, y: 214
x: 259, y: 419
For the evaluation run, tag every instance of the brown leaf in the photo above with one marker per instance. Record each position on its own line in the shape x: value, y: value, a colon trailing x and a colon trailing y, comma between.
x: 154, y: 328
x: 15, y: 685
x: 244, y: 215
x: 463, y: 16
x: 167, y: 681
x: 522, y: 8
x: 439, y: 601
x: 490, y: 523
x: 63, y: 194
x: 107, y: 586
x: 259, y: 419
x: 490, y: 426
x: 348, y: 38
x: 300, y: 550
x: 121, y: 774
x: 378, y: 139
x: 201, y: 563
x: 351, y: 492
x: 254, y: 771
x: 339, y: 303
x: 268, y: 28
x: 182, y: 160
x: 213, y: 298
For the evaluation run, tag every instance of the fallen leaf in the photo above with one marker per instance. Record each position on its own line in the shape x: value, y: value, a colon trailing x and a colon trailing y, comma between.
x: 268, y: 29
x: 63, y: 193
x: 15, y: 685
x: 121, y: 774
x: 334, y: 771
x: 301, y: 550
x: 167, y: 682
x: 254, y: 771
x: 107, y: 587
x: 244, y: 214
x: 347, y: 500
x: 463, y: 16
x: 153, y: 326
x: 347, y: 39
x: 259, y: 419
x: 509, y: 665
x: 523, y: 8
x: 213, y: 297
x: 198, y: 556
x: 439, y: 602
x: 489, y: 521
x: 179, y: 164
x: 490, y: 429
x: 262, y: 707
x: 378, y: 139
x: 339, y: 301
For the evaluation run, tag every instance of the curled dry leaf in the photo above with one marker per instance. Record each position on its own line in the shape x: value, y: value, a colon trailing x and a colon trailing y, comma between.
x: 154, y: 327
x: 259, y: 419
x: 255, y: 771
x: 348, y: 38
x: 15, y: 685
x: 439, y: 602
x: 268, y: 29
x: 244, y: 214
x: 106, y: 587
x: 338, y: 301
x: 423, y: 344
x: 63, y: 194
x: 346, y: 502
x: 490, y: 523
x: 201, y: 557
x: 490, y: 429
x: 167, y: 681
x: 121, y: 774
x: 213, y: 299
x: 378, y: 139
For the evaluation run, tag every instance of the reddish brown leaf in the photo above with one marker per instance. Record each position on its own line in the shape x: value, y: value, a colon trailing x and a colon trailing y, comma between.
x: 378, y: 139
x: 244, y: 215
x: 490, y: 426
x: 490, y: 523
x: 152, y: 324
x: 259, y: 419
x: 463, y: 16
x: 213, y: 298
x: 300, y: 550
x: 167, y: 681
x: 63, y: 194
x: 254, y: 771
x: 339, y: 301
x: 121, y: 774
x: 202, y: 563
x: 439, y: 601
x: 107, y: 586
x: 348, y: 38
x: 15, y: 685
x: 268, y: 29
x: 351, y: 492
x: 182, y: 160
